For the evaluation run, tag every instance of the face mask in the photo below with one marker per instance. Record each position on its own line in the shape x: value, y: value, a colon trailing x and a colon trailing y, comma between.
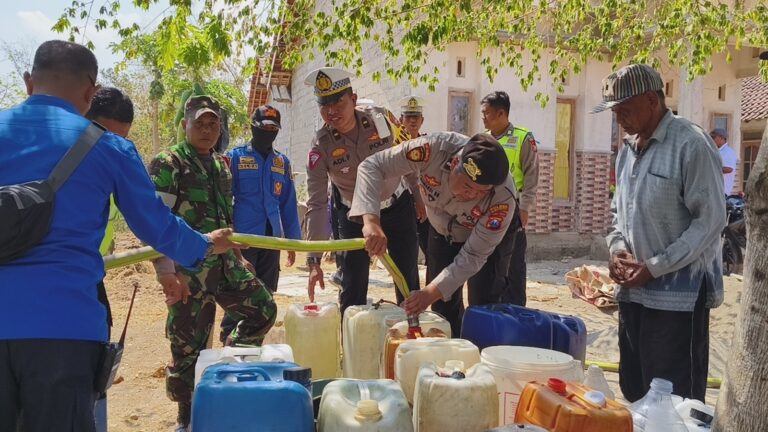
x: 262, y: 139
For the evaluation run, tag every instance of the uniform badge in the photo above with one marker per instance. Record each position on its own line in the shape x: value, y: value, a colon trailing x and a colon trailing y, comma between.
x: 247, y: 163
x: 470, y: 167
x: 323, y: 82
x: 278, y: 188
x: 532, y: 142
x: 418, y: 154
x: 314, y: 158
x: 374, y: 137
x: 476, y: 212
x: 345, y: 170
x: 431, y: 181
x: 338, y: 152
x: 278, y: 165
x: 499, y: 209
x: 494, y: 223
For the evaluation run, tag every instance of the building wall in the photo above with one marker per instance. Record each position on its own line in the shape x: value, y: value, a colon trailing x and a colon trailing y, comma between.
x: 587, y: 209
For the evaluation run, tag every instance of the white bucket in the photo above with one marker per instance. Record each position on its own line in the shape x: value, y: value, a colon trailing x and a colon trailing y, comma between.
x: 514, y: 366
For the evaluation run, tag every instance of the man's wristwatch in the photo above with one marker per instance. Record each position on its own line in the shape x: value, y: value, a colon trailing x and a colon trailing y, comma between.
x: 311, y: 260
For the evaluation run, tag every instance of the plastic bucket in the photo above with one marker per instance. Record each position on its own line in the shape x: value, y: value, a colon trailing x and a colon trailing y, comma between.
x: 514, y: 366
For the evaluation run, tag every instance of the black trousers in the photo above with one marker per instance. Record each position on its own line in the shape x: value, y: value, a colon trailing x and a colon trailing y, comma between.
x: 518, y: 269
x: 47, y: 384
x: 399, y: 224
x: 489, y: 285
x: 423, y: 230
x: 335, y: 203
x: 664, y: 344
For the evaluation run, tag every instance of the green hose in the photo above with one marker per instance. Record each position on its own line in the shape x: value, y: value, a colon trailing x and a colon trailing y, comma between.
x: 134, y: 256
x: 614, y: 367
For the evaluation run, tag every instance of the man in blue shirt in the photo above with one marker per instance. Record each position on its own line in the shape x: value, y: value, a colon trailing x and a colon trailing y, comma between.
x: 52, y: 325
x: 264, y: 194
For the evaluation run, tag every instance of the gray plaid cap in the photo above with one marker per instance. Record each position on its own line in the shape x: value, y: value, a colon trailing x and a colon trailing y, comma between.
x: 627, y: 82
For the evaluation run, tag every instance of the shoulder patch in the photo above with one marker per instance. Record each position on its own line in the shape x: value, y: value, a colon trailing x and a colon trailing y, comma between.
x: 495, y: 222
x: 499, y: 208
x: 531, y: 142
x: 314, y: 159
x: 418, y: 154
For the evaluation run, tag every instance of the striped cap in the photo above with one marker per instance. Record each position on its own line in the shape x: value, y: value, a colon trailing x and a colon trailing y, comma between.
x: 627, y: 82
x: 329, y: 83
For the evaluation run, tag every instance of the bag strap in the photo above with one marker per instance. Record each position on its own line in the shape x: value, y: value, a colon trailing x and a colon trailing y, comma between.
x: 128, y: 317
x: 74, y: 156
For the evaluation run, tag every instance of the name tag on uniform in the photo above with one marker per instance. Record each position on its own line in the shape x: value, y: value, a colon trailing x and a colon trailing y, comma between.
x: 247, y: 163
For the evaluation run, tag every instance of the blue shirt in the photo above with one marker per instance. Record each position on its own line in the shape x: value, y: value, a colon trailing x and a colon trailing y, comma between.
x: 264, y: 192
x: 50, y: 292
x: 668, y: 211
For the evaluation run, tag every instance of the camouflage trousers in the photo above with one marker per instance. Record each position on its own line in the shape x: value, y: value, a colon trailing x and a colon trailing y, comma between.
x: 188, y: 327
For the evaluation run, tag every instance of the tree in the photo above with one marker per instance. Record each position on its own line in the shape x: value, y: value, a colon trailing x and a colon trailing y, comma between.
x: 12, y: 89
x: 686, y: 32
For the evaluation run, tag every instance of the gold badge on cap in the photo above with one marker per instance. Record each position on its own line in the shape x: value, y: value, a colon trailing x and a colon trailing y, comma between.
x: 413, y: 103
x: 470, y: 167
x: 323, y: 82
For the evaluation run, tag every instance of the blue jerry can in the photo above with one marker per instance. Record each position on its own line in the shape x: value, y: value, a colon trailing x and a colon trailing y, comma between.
x: 251, y: 396
x: 507, y: 324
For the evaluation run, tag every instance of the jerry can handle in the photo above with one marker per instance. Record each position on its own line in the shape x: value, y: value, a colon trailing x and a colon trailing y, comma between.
x: 242, y: 375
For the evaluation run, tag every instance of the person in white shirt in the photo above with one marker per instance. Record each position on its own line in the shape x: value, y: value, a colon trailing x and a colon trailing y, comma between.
x: 729, y: 157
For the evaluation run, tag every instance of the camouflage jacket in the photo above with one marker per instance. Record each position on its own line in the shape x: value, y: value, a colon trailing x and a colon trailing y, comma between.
x: 203, y: 199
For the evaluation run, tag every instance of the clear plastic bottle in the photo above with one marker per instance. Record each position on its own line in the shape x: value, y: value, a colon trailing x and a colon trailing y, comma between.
x: 595, y: 380
x: 655, y: 412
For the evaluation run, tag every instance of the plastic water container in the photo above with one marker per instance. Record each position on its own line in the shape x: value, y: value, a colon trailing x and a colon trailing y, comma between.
x: 454, y: 400
x: 365, y: 328
x: 431, y: 324
x: 655, y: 411
x: 244, y: 397
x: 312, y: 331
x: 356, y: 405
x: 571, y: 407
x: 506, y: 324
x: 412, y: 353
x: 698, y: 416
x: 517, y: 427
x: 264, y: 353
x: 595, y: 379
x: 514, y: 367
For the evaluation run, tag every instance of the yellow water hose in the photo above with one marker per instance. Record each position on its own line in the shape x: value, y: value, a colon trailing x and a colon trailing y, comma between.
x: 134, y: 256
x: 614, y: 367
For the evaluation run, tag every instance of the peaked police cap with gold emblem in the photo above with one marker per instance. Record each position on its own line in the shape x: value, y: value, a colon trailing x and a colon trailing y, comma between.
x: 411, y: 106
x: 329, y: 83
x: 483, y: 160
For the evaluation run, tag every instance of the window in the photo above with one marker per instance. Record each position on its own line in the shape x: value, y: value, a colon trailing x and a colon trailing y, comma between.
x: 458, y: 111
x: 721, y: 93
x: 669, y: 87
x: 749, y: 151
x: 564, y: 149
x: 721, y: 120
x: 460, y: 66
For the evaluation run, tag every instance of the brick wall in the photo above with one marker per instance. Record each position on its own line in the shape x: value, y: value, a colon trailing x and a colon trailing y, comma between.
x: 587, y: 211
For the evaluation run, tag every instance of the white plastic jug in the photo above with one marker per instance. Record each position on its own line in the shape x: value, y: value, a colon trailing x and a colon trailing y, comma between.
x: 365, y: 327
x: 354, y: 405
x: 595, y: 379
x: 271, y: 352
x: 312, y: 330
x: 514, y: 366
x: 696, y: 414
x: 454, y: 400
x: 412, y: 353
x: 655, y: 411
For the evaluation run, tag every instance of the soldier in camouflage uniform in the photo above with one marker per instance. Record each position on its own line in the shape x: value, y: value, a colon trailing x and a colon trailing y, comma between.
x: 196, y: 183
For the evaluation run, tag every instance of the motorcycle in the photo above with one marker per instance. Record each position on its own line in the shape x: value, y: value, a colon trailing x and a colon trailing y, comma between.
x: 734, y: 235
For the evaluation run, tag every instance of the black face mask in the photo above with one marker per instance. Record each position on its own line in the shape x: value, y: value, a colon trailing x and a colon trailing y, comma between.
x: 262, y: 139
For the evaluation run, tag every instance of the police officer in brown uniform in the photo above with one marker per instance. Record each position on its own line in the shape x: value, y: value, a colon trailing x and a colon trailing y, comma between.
x: 349, y: 136
x: 412, y: 117
x: 470, y: 197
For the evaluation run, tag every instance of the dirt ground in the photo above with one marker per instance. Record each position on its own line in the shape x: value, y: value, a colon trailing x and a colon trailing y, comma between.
x: 138, y: 401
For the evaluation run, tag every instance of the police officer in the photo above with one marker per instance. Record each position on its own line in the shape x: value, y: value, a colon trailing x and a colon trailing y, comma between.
x: 265, y: 195
x: 470, y: 204
x: 349, y: 136
x: 412, y: 117
x: 520, y: 148
x: 195, y: 182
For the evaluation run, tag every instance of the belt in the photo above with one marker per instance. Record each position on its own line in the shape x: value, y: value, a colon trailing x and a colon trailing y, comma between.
x: 387, y: 202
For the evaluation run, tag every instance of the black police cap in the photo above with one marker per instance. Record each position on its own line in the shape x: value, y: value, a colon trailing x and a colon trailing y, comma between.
x: 483, y: 160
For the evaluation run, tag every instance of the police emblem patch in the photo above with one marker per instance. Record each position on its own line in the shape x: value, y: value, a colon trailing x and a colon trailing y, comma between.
x: 499, y: 208
x: 418, y: 154
x: 278, y: 188
x: 323, y: 82
x: 470, y: 167
x: 476, y: 213
x: 532, y: 142
x: 494, y: 223
x: 314, y: 158
x: 278, y: 165
x: 431, y: 181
